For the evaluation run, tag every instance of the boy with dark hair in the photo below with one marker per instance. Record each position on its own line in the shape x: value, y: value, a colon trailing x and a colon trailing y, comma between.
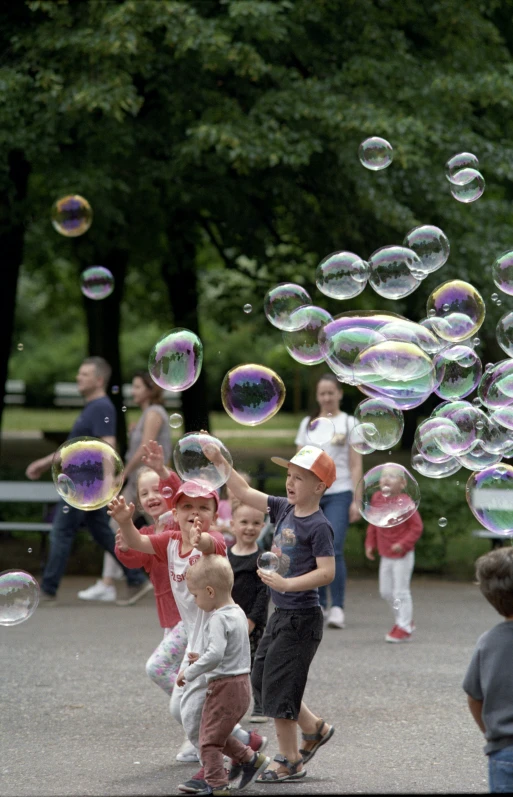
x: 303, y: 541
x: 488, y: 681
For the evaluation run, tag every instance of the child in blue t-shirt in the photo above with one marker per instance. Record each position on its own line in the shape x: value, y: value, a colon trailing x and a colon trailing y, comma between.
x: 303, y: 542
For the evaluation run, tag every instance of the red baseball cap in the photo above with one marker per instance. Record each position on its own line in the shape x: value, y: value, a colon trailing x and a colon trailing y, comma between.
x: 194, y: 490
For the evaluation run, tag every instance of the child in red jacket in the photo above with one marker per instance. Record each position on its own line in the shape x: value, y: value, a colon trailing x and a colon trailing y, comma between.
x: 396, y: 548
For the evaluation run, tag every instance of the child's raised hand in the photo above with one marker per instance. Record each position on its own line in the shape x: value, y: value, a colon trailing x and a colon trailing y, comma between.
x: 153, y: 455
x: 120, y: 541
x: 195, y: 533
x: 119, y: 510
x: 368, y: 553
x: 212, y: 452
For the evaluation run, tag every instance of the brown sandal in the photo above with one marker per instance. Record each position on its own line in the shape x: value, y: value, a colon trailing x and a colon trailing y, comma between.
x: 319, y: 740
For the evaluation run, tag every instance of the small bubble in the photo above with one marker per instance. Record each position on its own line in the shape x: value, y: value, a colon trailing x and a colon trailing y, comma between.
x: 488, y: 366
x: 457, y: 484
x: 20, y: 347
x: 396, y: 604
x: 167, y: 492
x: 29, y: 550
x: 175, y: 420
x: 445, y: 308
x: 479, y: 424
x: 247, y: 308
x: 65, y: 509
x: 442, y: 522
x: 115, y: 390
x: 431, y: 312
x: 477, y: 401
x: 494, y: 297
x: 106, y: 419
x: 76, y: 655
x: 476, y: 342
x: 498, y: 302
x: 123, y: 409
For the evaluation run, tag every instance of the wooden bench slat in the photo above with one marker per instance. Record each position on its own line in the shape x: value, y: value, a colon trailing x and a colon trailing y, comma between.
x: 8, y: 526
x: 30, y: 492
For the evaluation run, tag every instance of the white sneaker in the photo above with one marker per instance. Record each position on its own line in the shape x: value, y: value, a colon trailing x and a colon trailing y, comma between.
x: 188, y: 753
x: 336, y: 617
x: 98, y: 592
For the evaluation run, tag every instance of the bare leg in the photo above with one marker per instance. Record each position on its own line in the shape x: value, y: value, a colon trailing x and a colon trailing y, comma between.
x: 286, y: 731
x: 310, y: 723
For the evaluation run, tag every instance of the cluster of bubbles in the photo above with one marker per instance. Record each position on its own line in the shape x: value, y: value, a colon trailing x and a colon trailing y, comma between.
x: 466, y: 181
x: 87, y: 472
x: 19, y: 596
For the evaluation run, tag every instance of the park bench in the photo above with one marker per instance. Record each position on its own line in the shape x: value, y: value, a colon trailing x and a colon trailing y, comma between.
x: 14, y: 391
x: 66, y: 395
x: 43, y: 493
x: 497, y: 540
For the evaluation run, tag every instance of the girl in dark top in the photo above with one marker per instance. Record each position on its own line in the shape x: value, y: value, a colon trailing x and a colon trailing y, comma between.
x: 248, y: 590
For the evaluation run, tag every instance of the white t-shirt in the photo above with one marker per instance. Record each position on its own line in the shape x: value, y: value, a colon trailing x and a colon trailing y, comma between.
x: 337, y: 448
x: 167, y: 548
x: 226, y: 646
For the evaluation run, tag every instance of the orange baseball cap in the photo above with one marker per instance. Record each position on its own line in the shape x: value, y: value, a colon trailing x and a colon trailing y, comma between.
x: 314, y: 459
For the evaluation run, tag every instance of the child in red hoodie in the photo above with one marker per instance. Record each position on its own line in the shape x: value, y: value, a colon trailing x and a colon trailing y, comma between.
x: 396, y: 548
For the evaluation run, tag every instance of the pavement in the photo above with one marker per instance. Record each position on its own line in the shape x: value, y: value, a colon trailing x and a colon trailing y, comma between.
x: 79, y: 716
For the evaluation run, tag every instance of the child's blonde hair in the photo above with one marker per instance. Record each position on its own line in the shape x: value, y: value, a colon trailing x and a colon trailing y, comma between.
x: 141, y: 471
x: 236, y: 505
x: 212, y: 571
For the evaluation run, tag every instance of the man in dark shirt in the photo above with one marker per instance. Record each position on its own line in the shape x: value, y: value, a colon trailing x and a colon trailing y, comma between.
x: 97, y: 419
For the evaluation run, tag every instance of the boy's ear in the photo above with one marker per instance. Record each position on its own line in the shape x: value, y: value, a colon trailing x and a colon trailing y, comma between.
x: 210, y: 591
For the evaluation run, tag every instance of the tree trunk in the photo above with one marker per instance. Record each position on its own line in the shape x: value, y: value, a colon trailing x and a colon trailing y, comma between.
x: 12, y: 233
x: 179, y: 274
x: 103, y: 327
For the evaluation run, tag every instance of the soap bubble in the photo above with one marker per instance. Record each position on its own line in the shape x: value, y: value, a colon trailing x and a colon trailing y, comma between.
x: 175, y: 360
x: 342, y: 275
x: 303, y: 345
x: 175, y: 420
x: 442, y: 522
x: 268, y: 562
x: 479, y: 459
x: 386, y: 419
x: 391, y: 271
x: 467, y: 185
x: 20, y: 346
x: 390, y: 495
x: 470, y: 421
x: 167, y: 492
x: 115, y: 390
x: 437, y: 439
x: 463, y: 160
x: 399, y: 371
x: 192, y: 464
x: 251, y: 394
x: 502, y: 272
x: 280, y: 303
x: 494, y: 387
x: 247, y: 308
x: 72, y: 215
x: 19, y: 596
x: 320, y: 431
x: 434, y: 470
x: 458, y: 372
x: 96, y: 282
x: 341, y: 344
x: 87, y: 472
x: 360, y: 438
x: 375, y: 153
x: 490, y: 498
x: 430, y: 244
x: 459, y: 310
x: 504, y: 417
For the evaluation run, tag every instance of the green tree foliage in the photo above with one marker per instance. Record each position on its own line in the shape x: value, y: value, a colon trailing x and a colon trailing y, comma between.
x: 217, y: 142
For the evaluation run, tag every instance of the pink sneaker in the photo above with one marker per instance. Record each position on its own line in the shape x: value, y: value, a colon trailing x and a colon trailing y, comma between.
x: 398, y: 635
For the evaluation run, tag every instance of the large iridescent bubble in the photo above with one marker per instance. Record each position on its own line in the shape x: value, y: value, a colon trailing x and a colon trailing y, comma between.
x: 342, y: 275
x: 495, y: 386
x: 467, y: 185
x: 434, y: 470
x: 175, y: 360
x: 457, y: 310
x: 193, y: 466
x: 281, y: 302
x: 386, y: 419
x: 490, y: 498
x: 389, y: 495
x: 251, y: 394
x: 96, y: 282
x: 87, y: 472
x: 375, y: 153
x: 399, y: 371
x: 392, y: 271
x: 458, y: 372
x: 19, y: 596
x: 431, y: 245
x: 320, y: 431
x: 72, y: 215
x: 462, y: 160
x: 304, y: 345
x: 502, y: 272
x: 504, y: 333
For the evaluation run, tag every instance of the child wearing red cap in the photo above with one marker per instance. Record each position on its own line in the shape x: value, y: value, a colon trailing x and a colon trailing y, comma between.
x: 303, y: 542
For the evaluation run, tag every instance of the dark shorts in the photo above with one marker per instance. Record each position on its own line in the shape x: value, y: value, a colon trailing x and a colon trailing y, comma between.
x: 283, y: 658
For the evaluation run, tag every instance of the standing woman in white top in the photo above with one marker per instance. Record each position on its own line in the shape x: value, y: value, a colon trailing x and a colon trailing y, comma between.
x: 152, y: 425
x: 338, y: 502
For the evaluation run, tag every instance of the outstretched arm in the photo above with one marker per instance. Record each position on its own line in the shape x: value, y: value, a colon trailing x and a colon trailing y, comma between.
x: 122, y: 514
x: 237, y: 484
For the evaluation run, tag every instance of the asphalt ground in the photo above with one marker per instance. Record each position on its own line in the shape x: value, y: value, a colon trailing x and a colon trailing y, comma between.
x: 79, y: 716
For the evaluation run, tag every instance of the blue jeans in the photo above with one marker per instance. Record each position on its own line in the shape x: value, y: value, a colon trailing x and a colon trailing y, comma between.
x: 65, y: 526
x: 500, y: 771
x: 336, y: 509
